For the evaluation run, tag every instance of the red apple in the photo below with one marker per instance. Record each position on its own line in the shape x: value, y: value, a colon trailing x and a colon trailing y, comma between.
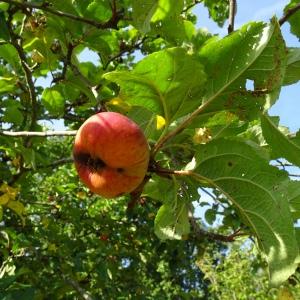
x: 111, y: 154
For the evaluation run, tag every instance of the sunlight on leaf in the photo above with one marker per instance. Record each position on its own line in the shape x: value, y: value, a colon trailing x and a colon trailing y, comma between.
x: 239, y: 172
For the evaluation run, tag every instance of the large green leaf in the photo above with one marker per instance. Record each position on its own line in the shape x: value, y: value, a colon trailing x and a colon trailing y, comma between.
x: 255, y: 52
x: 282, y: 146
x: 169, y: 83
x: 292, y: 74
x: 257, y: 190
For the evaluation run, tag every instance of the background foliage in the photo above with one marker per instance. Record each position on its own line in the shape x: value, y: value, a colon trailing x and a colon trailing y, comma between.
x: 203, y: 103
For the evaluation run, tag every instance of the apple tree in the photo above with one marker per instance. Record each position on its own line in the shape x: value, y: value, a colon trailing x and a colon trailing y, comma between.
x: 209, y: 133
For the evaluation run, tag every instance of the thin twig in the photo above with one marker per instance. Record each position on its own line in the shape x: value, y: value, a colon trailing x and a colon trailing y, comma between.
x: 191, y: 6
x: 294, y: 175
x: 85, y: 295
x: 112, y: 23
x: 288, y: 14
x: 232, y: 12
x: 212, y: 236
x: 52, y: 165
x: 128, y: 49
x: 67, y: 62
x: 56, y: 163
x: 38, y: 133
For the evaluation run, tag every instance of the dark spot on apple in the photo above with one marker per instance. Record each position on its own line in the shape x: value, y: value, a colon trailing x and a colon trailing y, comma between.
x: 85, y: 159
x: 81, y: 158
x: 96, y: 164
x: 120, y: 170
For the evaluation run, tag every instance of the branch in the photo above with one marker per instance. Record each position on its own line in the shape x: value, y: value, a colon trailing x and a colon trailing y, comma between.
x: 67, y: 62
x: 136, y: 194
x: 212, y: 236
x: 112, y: 23
x: 294, y: 175
x: 232, y: 12
x: 283, y: 165
x: 85, y: 295
x: 24, y: 170
x: 38, y: 133
x: 128, y: 49
x: 288, y: 14
x: 16, y: 41
x: 180, y: 127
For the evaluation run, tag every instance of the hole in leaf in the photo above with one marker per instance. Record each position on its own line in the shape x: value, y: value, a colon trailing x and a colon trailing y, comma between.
x: 250, y: 85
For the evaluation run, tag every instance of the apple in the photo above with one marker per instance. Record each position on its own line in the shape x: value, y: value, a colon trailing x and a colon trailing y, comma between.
x: 111, y: 154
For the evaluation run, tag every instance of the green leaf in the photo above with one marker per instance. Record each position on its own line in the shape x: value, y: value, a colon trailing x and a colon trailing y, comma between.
x: 103, y: 42
x: 238, y: 171
x: 7, y: 84
x: 10, y: 55
x: 218, y: 10
x: 294, y: 19
x: 4, y: 33
x: 142, y: 13
x: 281, y: 145
x: 210, y: 216
x: 167, y: 9
x: 292, y: 74
x: 18, y: 208
x: 81, y: 85
x: 12, y: 111
x: 29, y: 157
x: 161, y: 189
x: 292, y: 194
x: 168, y: 83
x: 99, y: 10
x: 13, y: 115
x: 146, y: 120
x: 255, y: 52
x: 172, y: 222
x: 168, y: 22
x: 53, y: 100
